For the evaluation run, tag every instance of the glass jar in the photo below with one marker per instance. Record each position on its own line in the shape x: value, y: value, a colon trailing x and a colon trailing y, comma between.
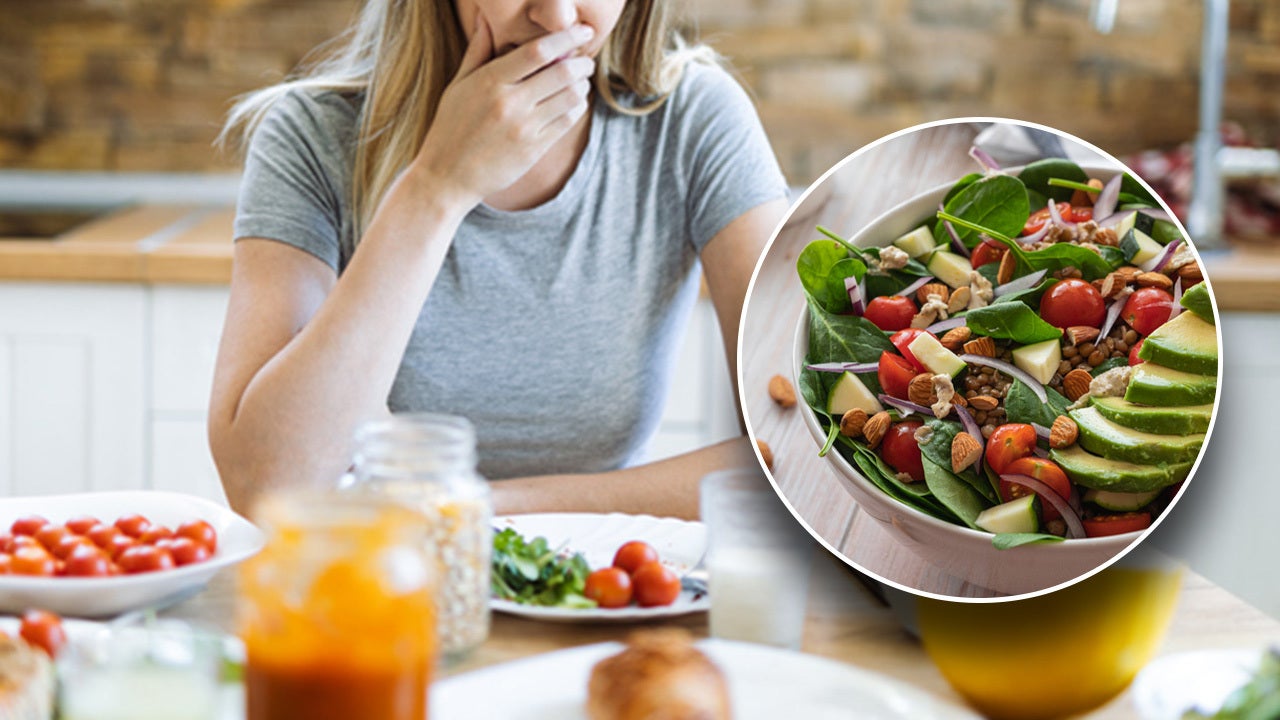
x: 337, y: 611
x: 428, y: 462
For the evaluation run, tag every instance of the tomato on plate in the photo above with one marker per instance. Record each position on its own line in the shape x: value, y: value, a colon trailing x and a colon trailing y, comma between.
x: 610, y: 587
x: 6, y: 563
x: 119, y: 544
x: 987, y: 252
x: 901, y: 451
x: 133, y: 525
x: 143, y: 558
x: 103, y: 534
x: 201, y: 533
x: 1047, y: 472
x: 154, y: 533
x: 1133, y: 353
x: 1068, y: 213
x: 50, y: 535
x: 185, y: 551
x: 33, y: 560
x: 903, y: 339
x: 68, y: 545
x: 1147, y: 309
x: 633, y: 554
x: 891, y: 313
x: 1073, y: 302
x: 1008, y: 443
x: 43, y: 630
x: 88, y: 561
x: 29, y: 525
x: 655, y: 585
x: 895, y: 374
x: 82, y: 524
x: 1104, y: 525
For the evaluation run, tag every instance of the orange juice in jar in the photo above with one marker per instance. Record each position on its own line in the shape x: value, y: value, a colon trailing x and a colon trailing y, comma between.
x: 337, y: 612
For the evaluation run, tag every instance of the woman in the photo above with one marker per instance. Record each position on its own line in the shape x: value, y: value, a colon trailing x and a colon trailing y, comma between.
x: 491, y: 208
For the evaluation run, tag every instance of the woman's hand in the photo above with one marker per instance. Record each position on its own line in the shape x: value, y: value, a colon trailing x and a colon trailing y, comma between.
x: 499, y: 116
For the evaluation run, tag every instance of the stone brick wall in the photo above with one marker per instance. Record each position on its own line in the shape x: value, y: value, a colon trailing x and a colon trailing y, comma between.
x: 143, y: 84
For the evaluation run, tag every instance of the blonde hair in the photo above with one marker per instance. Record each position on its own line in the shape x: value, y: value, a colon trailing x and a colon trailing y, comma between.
x: 401, y: 54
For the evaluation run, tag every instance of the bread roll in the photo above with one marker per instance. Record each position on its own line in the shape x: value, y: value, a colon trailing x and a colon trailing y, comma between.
x: 659, y: 676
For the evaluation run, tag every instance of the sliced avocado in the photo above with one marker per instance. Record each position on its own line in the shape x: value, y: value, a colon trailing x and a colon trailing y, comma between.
x: 1091, y: 471
x: 916, y: 243
x: 1153, y: 384
x: 950, y: 268
x: 1196, y: 299
x: 1120, y: 501
x: 850, y: 393
x: 1176, y: 420
x: 1185, y: 343
x: 1016, y: 516
x: 1117, y: 442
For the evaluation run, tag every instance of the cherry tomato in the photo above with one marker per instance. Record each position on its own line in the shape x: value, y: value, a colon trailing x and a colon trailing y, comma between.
x: 29, y: 525
x: 6, y: 563
x: 987, y: 252
x: 201, y: 533
x: 655, y: 584
x: 34, y: 561
x: 154, y: 533
x: 1133, y: 353
x: 81, y: 525
x: 1147, y: 309
x: 144, y: 558
x: 133, y: 525
x: 21, y: 541
x: 610, y: 587
x: 88, y: 561
x: 633, y: 554
x: 1080, y: 214
x: 1041, y: 216
x: 1047, y: 472
x: 895, y: 373
x: 891, y: 313
x: 102, y: 534
x: 68, y: 544
x: 1103, y: 525
x: 118, y: 545
x: 903, y: 339
x: 50, y: 535
x: 1008, y: 443
x: 1073, y: 302
x: 6, y: 542
x: 43, y: 630
x: 185, y: 551
x: 900, y: 449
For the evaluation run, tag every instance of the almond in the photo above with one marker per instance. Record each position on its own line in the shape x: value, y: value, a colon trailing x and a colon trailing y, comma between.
x: 782, y: 391
x: 1190, y: 274
x: 1110, y: 286
x: 1127, y: 273
x: 1154, y: 279
x: 942, y: 291
x: 1063, y: 433
x: 984, y: 346
x: 965, y: 451
x: 1076, y: 384
x: 876, y: 428
x: 765, y: 453
x: 921, y: 391
x: 852, y: 422
x: 1008, y: 263
x: 959, y: 300
x: 984, y: 402
x: 955, y: 338
x: 1077, y: 334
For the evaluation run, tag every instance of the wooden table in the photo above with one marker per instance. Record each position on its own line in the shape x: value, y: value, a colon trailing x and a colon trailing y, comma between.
x: 844, y: 622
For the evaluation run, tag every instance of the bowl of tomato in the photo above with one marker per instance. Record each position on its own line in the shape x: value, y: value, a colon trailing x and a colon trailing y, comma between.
x: 106, y: 553
x: 985, y: 394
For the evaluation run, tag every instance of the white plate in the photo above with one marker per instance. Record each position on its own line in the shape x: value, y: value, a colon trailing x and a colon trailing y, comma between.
x: 1200, y: 679
x: 101, y: 597
x: 764, y: 682
x: 680, y: 544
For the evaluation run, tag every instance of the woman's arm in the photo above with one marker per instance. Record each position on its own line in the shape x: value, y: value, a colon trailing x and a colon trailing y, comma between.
x: 667, y: 487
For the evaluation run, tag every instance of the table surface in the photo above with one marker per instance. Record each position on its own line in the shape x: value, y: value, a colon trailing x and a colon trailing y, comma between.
x: 844, y: 622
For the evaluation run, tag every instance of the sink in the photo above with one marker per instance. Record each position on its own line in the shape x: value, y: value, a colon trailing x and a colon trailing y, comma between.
x: 23, y: 224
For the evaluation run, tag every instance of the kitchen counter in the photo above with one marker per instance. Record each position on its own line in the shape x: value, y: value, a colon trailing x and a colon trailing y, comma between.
x: 147, y: 244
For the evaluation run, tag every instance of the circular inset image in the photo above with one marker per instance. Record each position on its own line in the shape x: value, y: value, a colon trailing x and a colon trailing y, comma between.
x: 984, y: 357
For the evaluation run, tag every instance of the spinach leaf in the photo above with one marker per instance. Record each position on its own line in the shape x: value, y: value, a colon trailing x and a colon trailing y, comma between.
x: 815, y: 387
x: 531, y: 572
x: 957, y: 495
x: 1131, y: 186
x: 1062, y: 255
x: 1014, y: 321
x: 1028, y: 296
x: 915, y: 495
x: 1037, y: 175
x: 1006, y: 541
x: 990, y: 271
x: 961, y: 184
x: 998, y: 202
x: 938, y: 450
x: 815, y: 265
x: 1165, y: 232
x: 914, y: 268
x: 1022, y: 406
x: 843, y: 338
x: 1109, y: 364
x: 1113, y: 255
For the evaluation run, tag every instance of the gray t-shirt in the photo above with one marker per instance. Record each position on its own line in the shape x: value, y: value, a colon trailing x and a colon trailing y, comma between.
x: 553, y: 329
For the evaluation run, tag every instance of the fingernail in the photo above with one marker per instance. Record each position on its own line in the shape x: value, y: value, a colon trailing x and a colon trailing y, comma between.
x: 581, y: 33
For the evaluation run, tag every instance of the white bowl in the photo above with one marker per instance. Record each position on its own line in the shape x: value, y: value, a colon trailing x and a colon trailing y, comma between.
x: 959, y: 550
x: 238, y: 539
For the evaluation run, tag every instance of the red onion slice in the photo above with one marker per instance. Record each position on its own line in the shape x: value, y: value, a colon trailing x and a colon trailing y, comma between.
x: 1113, y: 312
x: 1176, y: 309
x: 904, y: 406
x: 971, y: 426
x: 1156, y: 213
x: 1041, y: 431
x: 1115, y: 219
x: 1105, y: 206
x: 911, y: 289
x: 854, y: 288
x: 1047, y: 494
x: 1036, y: 236
x: 944, y: 325
x: 1039, y: 452
x: 955, y: 236
x: 1009, y: 370
x: 1057, y: 216
x: 1026, y: 282
x: 987, y: 162
x: 839, y: 367
x: 1156, y: 264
